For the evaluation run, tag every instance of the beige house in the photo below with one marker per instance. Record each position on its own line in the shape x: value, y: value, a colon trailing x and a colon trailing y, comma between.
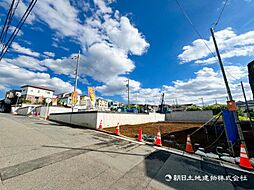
x: 36, y: 94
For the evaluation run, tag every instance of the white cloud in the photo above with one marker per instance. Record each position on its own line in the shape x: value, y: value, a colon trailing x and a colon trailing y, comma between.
x: 125, y: 35
x: 49, y: 54
x: 106, y: 37
x: 207, y: 84
x: 230, y: 45
x: 12, y: 28
x: 12, y: 75
x: 117, y: 86
x: 26, y: 62
x: 18, y: 48
x: 102, y: 6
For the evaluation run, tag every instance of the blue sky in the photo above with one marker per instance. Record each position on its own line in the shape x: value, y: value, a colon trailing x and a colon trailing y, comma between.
x: 150, y: 42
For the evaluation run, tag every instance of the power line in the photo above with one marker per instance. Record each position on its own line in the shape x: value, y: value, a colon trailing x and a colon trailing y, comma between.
x: 17, y: 29
x: 6, y: 21
x: 216, y: 23
x: 194, y: 28
x: 10, y: 19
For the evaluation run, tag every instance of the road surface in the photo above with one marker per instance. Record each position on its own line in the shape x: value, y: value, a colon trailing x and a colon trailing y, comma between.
x: 38, y: 154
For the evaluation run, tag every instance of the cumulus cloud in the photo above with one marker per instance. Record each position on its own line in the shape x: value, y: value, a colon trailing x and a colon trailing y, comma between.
x: 230, y: 45
x: 26, y: 62
x: 207, y: 84
x: 107, y: 39
x: 18, y: 48
x: 49, y: 54
x: 12, y: 75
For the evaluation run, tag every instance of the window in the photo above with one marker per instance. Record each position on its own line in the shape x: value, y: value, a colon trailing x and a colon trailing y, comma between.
x: 31, y: 90
x: 48, y: 92
x: 38, y: 91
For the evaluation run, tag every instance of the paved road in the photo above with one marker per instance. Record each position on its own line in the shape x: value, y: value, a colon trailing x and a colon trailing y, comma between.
x: 37, y: 154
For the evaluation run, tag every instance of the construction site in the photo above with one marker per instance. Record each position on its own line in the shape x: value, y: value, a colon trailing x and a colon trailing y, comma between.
x: 144, y: 103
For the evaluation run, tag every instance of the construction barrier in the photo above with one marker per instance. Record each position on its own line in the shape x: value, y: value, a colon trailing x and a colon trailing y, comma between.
x: 140, y: 135
x: 188, y: 147
x: 244, y: 159
x: 117, y: 131
x: 158, y: 138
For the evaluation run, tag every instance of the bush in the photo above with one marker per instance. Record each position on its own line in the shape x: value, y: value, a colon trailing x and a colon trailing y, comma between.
x: 216, y: 108
x: 27, y: 101
x: 193, y: 108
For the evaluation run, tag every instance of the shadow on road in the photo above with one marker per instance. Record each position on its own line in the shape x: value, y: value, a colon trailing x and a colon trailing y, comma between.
x: 179, y: 167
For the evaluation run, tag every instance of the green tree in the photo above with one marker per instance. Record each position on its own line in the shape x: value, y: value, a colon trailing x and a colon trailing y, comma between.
x: 216, y: 108
x: 193, y: 108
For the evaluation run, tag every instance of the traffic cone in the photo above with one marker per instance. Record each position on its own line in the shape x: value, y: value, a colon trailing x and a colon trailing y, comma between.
x: 117, y: 131
x: 140, y: 135
x: 100, y: 126
x: 158, y: 138
x: 189, y: 148
x: 244, y: 159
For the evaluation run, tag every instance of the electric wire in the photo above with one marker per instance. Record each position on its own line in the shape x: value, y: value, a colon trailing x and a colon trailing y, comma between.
x: 17, y: 29
x: 5, y: 22
x: 216, y: 23
x: 10, y: 20
x: 194, y: 28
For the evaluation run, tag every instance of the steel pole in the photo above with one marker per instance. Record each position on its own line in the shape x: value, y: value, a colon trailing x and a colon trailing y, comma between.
x: 247, y: 108
x: 227, y: 87
x: 76, y: 77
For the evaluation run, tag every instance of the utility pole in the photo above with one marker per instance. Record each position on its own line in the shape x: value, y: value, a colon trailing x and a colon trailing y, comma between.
x: 128, y: 87
x: 203, y: 104
x: 76, y: 77
x: 247, y: 107
x: 162, y: 103
x: 228, y: 89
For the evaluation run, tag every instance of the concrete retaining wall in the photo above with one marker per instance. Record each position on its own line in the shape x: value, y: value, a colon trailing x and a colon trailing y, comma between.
x: 92, y: 119
x: 111, y: 119
x: 201, y: 116
x: 88, y: 119
x: 52, y: 109
x: 24, y: 110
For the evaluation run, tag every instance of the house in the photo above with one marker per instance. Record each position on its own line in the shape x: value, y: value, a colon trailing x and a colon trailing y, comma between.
x: 85, y: 102
x: 35, y: 94
x: 242, y: 105
x: 102, y: 104
x: 65, y: 99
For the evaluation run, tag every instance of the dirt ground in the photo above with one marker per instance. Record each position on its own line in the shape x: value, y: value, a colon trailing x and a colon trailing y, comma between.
x: 152, y: 128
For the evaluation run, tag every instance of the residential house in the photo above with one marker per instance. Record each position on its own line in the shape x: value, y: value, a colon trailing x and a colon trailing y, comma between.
x: 35, y: 94
x: 102, y: 104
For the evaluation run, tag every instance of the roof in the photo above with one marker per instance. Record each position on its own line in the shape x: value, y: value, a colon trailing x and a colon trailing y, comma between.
x: 39, y: 87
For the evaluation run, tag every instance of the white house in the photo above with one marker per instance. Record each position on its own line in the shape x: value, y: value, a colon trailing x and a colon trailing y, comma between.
x: 102, y: 104
x: 35, y: 94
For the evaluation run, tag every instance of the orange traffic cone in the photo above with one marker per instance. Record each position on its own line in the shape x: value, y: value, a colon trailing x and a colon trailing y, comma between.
x: 158, y: 138
x: 100, y: 126
x: 189, y: 148
x: 140, y: 135
x: 117, y: 132
x: 244, y: 159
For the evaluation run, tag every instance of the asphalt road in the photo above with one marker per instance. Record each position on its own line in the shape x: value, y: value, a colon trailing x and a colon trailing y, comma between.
x: 38, y: 154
